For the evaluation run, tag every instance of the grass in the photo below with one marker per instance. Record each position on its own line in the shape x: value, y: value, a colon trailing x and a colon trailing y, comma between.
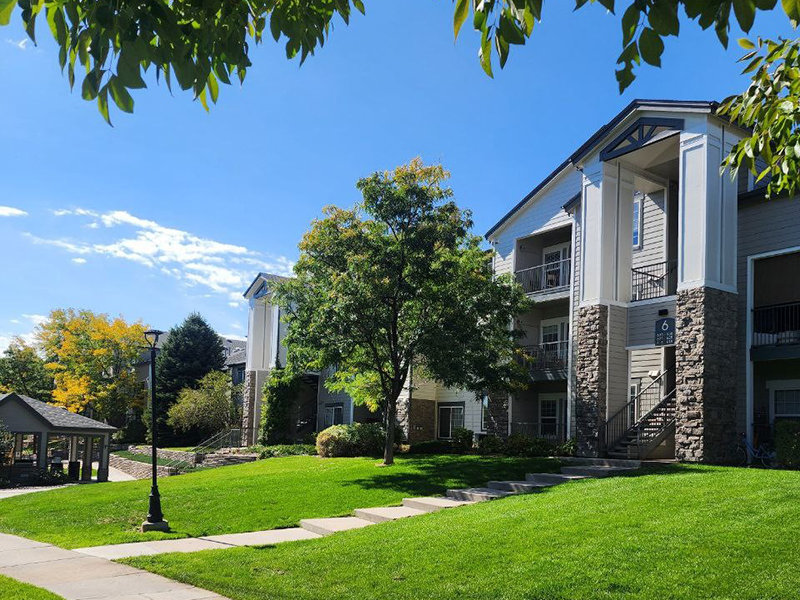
x: 10, y: 589
x: 681, y: 533
x: 260, y: 495
x: 142, y: 458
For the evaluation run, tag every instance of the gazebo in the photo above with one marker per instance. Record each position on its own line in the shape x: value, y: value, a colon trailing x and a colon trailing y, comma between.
x: 45, y: 435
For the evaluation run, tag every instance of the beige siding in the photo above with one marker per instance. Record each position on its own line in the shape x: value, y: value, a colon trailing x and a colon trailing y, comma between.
x: 541, y: 213
x: 617, y: 382
x: 327, y: 397
x: 654, y: 221
x: 472, y: 408
x: 642, y: 320
x: 643, y: 362
x: 764, y: 226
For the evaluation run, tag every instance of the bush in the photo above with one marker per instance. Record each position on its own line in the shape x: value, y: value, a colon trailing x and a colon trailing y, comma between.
x: 463, y: 439
x: 567, y: 448
x: 522, y: 445
x: 358, y: 439
x: 280, y: 390
x: 279, y: 450
x: 787, y: 443
x: 491, y: 444
x: 432, y: 447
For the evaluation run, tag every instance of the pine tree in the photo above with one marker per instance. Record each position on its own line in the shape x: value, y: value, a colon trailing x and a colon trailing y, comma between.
x: 190, y: 352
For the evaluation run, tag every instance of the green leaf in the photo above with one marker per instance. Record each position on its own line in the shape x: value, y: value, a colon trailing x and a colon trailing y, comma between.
x: 128, y: 69
x: 460, y: 15
x: 792, y: 10
x: 89, y: 86
x: 663, y: 18
x: 630, y: 22
x: 213, y: 87
x: 746, y: 44
x: 102, y: 104
x: 120, y: 95
x: 745, y: 11
x: 203, y: 100
x: 485, y: 53
x: 6, y: 8
x: 651, y: 47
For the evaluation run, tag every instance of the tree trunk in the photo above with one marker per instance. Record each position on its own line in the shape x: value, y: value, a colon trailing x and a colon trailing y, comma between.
x: 391, y: 425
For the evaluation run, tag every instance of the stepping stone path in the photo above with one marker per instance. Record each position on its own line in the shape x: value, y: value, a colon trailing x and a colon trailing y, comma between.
x: 578, y: 468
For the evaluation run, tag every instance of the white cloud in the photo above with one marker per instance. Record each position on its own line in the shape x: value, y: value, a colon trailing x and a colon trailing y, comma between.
x: 79, y: 261
x: 36, y: 319
x: 220, y: 267
x: 29, y: 338
x: 21, y: 44
x: 10, y: 211
x: 234, y: 336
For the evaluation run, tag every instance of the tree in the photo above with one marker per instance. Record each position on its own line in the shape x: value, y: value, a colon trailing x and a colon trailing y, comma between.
x: 280, y: 390
x: 190, y: 352
x: 22, y: 370
x: 208, y: 408
x: 399, y: 280
x: 93, y: 358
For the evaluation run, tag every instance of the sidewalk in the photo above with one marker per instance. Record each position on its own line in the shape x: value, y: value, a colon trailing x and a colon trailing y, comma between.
x: 76, y: 576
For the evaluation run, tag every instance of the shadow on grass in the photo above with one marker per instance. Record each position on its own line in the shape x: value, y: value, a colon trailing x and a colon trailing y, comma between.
x: 436, y: 474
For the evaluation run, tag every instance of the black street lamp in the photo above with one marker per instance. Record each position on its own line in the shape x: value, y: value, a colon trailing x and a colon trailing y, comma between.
x: 155, y: 518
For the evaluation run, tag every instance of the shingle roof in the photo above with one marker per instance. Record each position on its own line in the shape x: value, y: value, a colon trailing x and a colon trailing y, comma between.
x: 267, y: 277
x: 57, y: 417
x: 239, y: 357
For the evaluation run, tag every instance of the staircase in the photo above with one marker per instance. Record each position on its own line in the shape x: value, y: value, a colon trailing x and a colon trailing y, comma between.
x: 641, y: 437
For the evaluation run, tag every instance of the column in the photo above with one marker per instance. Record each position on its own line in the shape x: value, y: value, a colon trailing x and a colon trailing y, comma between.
x: 102, y: 469
x: 706, y: 315
x: 499, y: 403
x: 88, y: 449
x: 41, y: 450
x: 591, y: 378
x: 73, y: 448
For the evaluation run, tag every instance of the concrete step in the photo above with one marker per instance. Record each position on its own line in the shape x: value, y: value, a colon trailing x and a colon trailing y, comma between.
x: 551, y: 478
x: 596, y: 470
x: 333, y: 525
x: 477, y: 494
x: 518, y: 487
x: 600, y: 462
x: 387, y: 513
x: 433, y: 503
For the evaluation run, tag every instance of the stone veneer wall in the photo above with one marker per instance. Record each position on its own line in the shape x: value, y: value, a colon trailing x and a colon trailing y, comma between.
x: 404, y: 416
x: 591, y: 378
x: 248, y: 407
x: 705, y: 375
x: 181, y: 455
x: 498, y: 414
x: 137, y: 469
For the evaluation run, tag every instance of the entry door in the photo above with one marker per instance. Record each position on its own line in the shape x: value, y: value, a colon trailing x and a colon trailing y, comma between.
x: 556, y: 267
x: 451, y: 417
x: 553, y: 339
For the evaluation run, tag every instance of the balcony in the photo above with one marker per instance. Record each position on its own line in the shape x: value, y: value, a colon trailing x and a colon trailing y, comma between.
x: 548, y: 361
x: 776, y: 331
x: 549, y: 277
x: 550, y: 430
x: 654, y: 281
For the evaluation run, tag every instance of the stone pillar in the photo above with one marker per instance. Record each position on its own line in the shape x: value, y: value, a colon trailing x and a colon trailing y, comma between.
x: 591, y: 379
x: 404, y: 416
x: 705, y: 375
x: 249, y: 400
x: 102, y: 469
x: 499, y: 401
x: 88, y: 450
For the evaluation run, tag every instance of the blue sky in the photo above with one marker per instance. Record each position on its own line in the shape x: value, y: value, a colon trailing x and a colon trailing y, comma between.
x: 174, y: 210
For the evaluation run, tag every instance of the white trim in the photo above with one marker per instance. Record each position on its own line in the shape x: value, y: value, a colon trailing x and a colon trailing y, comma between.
x: 776, y: 385
x: 638, y: 199
x: 698, y: 283
x: 568, y: 408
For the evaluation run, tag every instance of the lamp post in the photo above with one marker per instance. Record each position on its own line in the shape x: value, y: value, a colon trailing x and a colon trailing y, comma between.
x: 155, y: 518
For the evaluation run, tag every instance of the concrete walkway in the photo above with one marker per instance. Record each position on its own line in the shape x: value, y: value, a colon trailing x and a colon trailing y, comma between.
x: 75, y: 576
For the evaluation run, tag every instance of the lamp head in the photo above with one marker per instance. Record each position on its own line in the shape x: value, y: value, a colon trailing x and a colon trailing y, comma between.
x: 152, y: 335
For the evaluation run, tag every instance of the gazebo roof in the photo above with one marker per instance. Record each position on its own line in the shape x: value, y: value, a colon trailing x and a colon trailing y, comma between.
x: 56, y: 417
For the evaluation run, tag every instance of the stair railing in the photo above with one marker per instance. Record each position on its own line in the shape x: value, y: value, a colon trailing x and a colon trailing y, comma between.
x: 655, y: 421
x: 626, y: 417
x: 224, y: 439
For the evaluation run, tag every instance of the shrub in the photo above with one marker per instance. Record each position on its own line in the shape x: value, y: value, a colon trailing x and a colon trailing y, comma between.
x: 463, y: 439
x: 491, y: 444
x: 286, y: 450
x: 280, y: 390
x: 358, y: 439
x: 432, y: 447
x: 522, y: 445
x: 567, y: 448
x: 787, y: 443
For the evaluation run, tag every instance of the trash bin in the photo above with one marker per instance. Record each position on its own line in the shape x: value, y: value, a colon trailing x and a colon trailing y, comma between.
x: 57, y: 467
x: 74, y: 469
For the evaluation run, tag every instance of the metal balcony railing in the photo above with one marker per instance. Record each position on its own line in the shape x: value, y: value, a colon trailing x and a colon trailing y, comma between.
x: 776, y: 325
x: 546, y: 277
x: 547, y: 356
x: 654, y: 281
x: 551, y: 430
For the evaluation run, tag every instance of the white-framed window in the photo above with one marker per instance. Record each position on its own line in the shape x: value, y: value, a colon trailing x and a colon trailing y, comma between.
x: 556, y: 265
x: 549, y: 413
x: 333, y: 415
x: 637, y: 221
x: 484, y: 411
x: 553, y: 331
x: 784, y: 399
x: 451, y: 417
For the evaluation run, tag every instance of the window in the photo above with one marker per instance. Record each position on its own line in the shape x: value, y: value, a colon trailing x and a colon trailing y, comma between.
x: 548, y: 415
x: 556, y: 265
x: 787, y: 403
x: 484, y: 411
x: 333, y: 415
x: 451, y: 417
x: 637, y: 222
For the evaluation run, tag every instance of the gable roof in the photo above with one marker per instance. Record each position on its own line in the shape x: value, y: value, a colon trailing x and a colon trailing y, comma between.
x: 263, y: 277
x: 239, y: 357
x: 55, y: 416
x: 597, y: 136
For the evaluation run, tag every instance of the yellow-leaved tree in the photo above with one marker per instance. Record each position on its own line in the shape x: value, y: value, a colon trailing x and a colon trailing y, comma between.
x: 93, y: 360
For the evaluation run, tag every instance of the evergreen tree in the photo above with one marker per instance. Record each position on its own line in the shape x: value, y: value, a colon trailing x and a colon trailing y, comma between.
x: 190, y: 352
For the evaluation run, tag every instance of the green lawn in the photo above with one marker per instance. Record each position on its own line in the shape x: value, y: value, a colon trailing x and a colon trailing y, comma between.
x: 144, y: 458
x: 11, y: 589
x: 260, y: 495
x: 694, y: 532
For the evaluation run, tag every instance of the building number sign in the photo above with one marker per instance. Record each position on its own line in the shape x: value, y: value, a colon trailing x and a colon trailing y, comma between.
x: 665, y: 332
